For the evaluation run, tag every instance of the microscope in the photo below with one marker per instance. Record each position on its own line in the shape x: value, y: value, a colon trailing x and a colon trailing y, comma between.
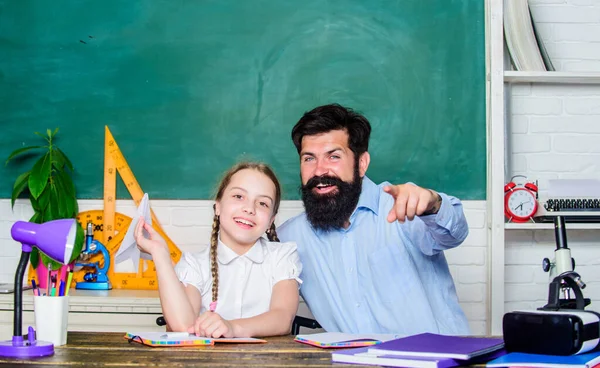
x: 562, y: 326
x: 564, y: 278
x: 96, y: 279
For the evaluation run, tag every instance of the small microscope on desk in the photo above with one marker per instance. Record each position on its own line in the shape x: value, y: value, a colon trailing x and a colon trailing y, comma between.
x: 96, y: 279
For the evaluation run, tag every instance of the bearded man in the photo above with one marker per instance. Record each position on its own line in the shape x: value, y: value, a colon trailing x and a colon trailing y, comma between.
x: 372, y: 255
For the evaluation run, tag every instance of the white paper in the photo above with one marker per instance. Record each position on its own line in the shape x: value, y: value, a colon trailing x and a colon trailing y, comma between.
x: 338, y: 337
x: 573, y: 188
x: 169, y: 336
x: 184, y: 336
x: 128, y: 256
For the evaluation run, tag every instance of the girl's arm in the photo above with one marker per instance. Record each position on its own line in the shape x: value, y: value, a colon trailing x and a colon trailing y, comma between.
x: 277, y: 321
x: 180, y: 304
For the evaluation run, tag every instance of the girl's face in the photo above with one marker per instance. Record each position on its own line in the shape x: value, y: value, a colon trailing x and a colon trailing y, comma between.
x: 245, y: 209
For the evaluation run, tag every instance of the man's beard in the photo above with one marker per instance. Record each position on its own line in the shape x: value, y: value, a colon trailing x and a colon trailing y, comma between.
x: 331, y: 211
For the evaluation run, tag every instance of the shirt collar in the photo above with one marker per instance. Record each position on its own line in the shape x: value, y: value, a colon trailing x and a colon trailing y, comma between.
x: 369, y: 196
x: 255, y: 254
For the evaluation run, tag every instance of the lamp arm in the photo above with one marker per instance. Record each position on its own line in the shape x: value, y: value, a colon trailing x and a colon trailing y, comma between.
x: 18, y: 307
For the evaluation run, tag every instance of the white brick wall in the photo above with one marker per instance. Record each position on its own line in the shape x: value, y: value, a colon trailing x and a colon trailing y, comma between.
x: 554, y: 133
x: 559, y: 137
x: 571, y: 32
x: 188, y: 223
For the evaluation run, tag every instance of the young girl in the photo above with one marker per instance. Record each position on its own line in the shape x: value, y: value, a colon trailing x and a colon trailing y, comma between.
x: 243, y: 285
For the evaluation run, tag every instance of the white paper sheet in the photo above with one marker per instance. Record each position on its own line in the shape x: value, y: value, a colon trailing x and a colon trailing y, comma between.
x: 573, y: 188
x: 339, y: 337
x: 128, y: 256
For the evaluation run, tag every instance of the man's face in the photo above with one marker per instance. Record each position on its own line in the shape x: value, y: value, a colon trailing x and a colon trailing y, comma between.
x: 331, y: 179
x: 326, y: 154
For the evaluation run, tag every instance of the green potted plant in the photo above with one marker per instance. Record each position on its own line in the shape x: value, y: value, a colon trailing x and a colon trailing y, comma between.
x: 49, y: 184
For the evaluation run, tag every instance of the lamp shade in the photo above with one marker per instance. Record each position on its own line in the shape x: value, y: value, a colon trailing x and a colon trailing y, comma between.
x: 60, y: 240
x: 57, y: 239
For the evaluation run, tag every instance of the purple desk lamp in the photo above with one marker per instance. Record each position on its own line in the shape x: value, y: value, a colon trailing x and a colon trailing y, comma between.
x: 60, y: 240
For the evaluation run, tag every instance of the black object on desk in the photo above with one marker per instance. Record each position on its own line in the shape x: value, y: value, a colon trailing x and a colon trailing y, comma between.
x: 6, y: 288
x: 299, y: 321
x: 562, y: 326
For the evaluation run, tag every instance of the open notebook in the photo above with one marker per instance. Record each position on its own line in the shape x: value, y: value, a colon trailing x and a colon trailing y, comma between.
x: 343, y: 340
x: 176, y: 339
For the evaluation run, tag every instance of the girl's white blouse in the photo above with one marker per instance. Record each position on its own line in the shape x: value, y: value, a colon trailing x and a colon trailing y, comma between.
x: 245, y: 282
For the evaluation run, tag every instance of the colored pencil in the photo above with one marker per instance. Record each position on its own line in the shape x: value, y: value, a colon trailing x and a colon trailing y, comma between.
x: 35, y: 290
x: 69, y: 279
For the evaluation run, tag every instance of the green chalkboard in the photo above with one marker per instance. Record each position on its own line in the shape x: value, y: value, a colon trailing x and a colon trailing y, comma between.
x: 190, y: 87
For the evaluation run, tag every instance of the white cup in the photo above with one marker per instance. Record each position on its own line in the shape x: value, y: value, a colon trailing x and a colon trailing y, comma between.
x: 51, y: 318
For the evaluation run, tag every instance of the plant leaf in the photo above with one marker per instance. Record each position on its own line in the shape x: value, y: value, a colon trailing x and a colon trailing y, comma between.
x: 58, y: 160
x: 47, y: 214
x: 61, y: 206
x: 78, y: 246
x: 20, y: 185
x: 67, y: 200
x: 67, y: 182
x: 49, y: 133
x: 59, y: 152
x: 39, y: 175
x: 34, y: 258
x: 43, y: 199
x: 55, y: 131
x: 75, y: 211
x: 54, y: 203
x: 40, y: 135
x: 36, y: 218
x: 35, y: 204
x: 47, y: 260
x: 20, y: 151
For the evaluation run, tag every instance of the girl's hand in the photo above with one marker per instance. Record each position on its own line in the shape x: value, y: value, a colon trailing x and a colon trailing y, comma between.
x: 152, y: 245
x: 211, y: 324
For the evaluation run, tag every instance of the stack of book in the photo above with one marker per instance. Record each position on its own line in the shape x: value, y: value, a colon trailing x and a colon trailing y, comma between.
x: 335, y: 340
x: 587, y: 360
x: 425, y: 350
x: 524, y: 43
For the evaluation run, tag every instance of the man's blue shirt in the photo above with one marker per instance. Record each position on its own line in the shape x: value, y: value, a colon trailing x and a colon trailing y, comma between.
x: 377, y: 277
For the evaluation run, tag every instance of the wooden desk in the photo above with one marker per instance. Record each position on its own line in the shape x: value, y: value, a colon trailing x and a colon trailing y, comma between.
x: 102, y: 349
x: 102, y: 311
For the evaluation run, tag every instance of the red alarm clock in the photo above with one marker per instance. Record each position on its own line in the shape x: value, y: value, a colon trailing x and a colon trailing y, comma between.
x: 520, y: 201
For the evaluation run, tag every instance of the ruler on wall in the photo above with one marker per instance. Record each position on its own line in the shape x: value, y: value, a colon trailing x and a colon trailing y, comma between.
x: 110, y: 227
x: 114, y: 162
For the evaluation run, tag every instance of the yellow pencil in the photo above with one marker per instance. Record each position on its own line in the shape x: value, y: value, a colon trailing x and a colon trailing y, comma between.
x: 68, y: 286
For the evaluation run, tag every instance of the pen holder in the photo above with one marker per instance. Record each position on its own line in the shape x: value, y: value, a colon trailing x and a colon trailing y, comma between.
x: 51, y: 318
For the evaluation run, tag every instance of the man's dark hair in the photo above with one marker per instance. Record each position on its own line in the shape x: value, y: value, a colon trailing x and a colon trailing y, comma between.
x: 326, y: 118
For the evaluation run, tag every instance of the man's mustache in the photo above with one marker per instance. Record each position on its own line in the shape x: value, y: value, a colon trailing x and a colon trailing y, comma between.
x: 323, y: 180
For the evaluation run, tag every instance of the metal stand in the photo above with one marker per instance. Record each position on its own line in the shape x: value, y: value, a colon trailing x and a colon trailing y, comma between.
x: 567, y: 278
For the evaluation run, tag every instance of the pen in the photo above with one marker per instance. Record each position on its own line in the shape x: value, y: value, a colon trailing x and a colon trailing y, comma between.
x: 175, y: 335
x: 35, y: 291
x: 48, y: 281
x: 54, y: 286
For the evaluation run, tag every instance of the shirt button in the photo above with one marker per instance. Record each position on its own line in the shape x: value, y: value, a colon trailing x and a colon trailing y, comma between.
x: 357, y: 305
x: 351, y: 269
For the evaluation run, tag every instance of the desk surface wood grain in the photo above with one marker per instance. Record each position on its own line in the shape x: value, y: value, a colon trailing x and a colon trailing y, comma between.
x: 103, y: 349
